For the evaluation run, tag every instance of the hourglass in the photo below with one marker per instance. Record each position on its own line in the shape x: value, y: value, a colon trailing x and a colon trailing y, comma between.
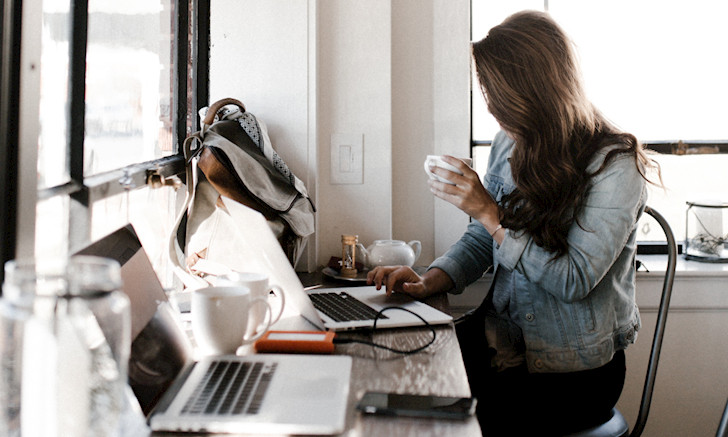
x: 348, y: 255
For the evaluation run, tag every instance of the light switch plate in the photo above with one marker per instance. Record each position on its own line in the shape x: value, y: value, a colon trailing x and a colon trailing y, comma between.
x: 347, y: 158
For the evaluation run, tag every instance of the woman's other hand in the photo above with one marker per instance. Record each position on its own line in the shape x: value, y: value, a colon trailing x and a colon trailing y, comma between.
x: 403, y: 279
x: 400, y: 279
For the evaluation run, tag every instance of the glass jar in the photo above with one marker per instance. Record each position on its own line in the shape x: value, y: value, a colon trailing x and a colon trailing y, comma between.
x: 65, y: 332
x: 706, y: 231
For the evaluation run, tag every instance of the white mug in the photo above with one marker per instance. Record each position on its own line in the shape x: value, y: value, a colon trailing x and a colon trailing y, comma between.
x: 220, y: 318
x: 258, y: 283
x: 436, y: 161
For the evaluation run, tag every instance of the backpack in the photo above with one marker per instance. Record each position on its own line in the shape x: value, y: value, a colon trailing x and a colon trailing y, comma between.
x: 231, y: 159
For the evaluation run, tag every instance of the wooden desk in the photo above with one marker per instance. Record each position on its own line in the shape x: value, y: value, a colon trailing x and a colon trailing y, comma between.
x: 437, y: 370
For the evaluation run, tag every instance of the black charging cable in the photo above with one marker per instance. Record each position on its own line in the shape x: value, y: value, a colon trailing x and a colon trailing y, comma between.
x: 338, y: 340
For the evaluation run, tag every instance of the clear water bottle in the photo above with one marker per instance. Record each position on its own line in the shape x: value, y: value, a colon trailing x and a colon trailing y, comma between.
x: 64, y: 348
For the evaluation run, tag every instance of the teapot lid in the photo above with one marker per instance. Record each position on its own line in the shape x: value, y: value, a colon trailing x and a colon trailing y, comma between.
x: 391, y: 242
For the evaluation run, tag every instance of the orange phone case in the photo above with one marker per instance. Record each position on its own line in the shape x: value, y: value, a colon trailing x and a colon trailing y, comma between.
x: 324, y: 346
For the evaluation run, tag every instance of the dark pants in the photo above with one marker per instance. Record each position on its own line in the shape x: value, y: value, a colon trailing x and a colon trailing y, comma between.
x: 515, y: 402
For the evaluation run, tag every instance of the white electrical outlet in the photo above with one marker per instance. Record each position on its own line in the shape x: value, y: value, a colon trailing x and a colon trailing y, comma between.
x: 347, y: 158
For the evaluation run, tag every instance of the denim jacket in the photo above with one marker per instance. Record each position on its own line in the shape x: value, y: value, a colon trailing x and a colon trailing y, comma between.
x: 578, y: 309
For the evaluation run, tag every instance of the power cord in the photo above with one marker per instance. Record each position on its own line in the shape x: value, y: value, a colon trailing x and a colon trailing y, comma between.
x: 338, y: 340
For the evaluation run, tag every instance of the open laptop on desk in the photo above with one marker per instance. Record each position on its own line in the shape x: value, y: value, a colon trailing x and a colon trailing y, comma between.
x: 259, y: 250
x: 258, y: 394
x: 340, y: 309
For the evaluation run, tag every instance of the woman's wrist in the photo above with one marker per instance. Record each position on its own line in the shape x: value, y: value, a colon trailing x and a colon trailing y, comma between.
x: 490, y: 219
x: 495, y: 230
x: 436, y: 280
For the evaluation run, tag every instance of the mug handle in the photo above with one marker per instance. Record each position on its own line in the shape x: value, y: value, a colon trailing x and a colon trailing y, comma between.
x: 278, y: 292
x: 267, y: 322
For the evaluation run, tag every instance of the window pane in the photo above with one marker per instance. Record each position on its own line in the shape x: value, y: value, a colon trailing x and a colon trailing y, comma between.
x: 51, y: 227
x: 150, y: 210
x: 687, y: 178
x: 52, y: 141
x: 129, y: 83
x: 657, y: 69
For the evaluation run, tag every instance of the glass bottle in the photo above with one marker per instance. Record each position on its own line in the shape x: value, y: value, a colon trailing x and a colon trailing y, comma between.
x: 64, y: 338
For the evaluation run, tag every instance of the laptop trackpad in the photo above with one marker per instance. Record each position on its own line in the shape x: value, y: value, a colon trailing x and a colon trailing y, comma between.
x: 394, y: 299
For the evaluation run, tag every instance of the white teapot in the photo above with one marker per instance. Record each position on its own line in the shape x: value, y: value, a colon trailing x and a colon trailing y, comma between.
x: 390, y: 253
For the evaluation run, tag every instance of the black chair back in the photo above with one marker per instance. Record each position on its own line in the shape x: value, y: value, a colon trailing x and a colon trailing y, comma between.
x: 617, y: 426
x: 639, y: 425
x: 723, y: 426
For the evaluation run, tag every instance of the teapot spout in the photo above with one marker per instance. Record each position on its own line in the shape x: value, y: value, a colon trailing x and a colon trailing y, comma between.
x: 362, y: 254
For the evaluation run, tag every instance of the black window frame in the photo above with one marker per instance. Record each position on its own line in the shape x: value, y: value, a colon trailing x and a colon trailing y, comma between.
x: 678, y: 147
x: 191, y: 59
x: 11, y: 15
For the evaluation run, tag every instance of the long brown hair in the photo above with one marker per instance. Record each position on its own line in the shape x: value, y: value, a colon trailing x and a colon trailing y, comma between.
x: 531, y: 82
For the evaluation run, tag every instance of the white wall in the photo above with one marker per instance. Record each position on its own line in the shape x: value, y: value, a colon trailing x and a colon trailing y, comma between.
x: 431, y: 114
x: 355, y: 97
x: 260, y: 54
x: 394, y: 72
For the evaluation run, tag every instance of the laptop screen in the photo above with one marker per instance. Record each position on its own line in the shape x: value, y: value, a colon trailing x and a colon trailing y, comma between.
x: 160, y: 347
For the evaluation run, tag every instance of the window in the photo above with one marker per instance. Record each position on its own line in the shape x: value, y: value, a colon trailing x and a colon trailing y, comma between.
x: 655, y: 69
x: 119, y: 87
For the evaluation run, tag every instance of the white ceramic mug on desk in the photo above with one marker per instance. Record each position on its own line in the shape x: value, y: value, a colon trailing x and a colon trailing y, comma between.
x: 220, y: 318
x: 260, y: 288
x: 437, y: 161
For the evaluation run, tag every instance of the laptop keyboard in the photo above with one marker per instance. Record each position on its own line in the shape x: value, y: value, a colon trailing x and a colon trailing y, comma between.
x: 231, y: 388
x: 342, y: 307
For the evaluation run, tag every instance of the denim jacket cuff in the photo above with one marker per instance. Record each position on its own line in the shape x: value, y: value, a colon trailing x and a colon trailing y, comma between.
x: 453, y: 269
x: 511, y: 249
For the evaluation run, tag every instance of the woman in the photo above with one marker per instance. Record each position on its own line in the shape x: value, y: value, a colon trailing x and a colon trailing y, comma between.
x: 556, y: 218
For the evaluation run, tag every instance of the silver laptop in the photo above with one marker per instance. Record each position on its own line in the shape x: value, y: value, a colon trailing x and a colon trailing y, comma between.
x: 357, y: 307
x: 324, y: 308
x: 259, y: 394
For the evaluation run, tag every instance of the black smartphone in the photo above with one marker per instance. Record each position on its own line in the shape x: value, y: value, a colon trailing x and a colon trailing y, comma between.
x: 394, y: 404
